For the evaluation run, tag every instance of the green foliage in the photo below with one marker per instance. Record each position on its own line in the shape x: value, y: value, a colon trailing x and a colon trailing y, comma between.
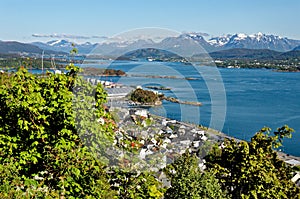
x: 296, y: 168
x: 74, y: 50
x: 10, y: 63
x: 41, y: 154
x: 252, y: 169
x: 148, y: 121
x: 204, y: 148
x: 93, y: 124
x: 130, y: 185
x: 54, y: 139
x: 188, y: 181
x: 144, y: 96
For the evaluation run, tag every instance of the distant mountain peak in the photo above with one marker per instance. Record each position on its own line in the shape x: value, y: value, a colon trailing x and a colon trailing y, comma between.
x: 60, y: 42
x: 219, y: 41
x: 240, y: 36
x: 193, y: 34
x: 65, y: 46
x: 227, y: 41
x: 254, y: 41
x: 259, y: 34
x: 14, y: 47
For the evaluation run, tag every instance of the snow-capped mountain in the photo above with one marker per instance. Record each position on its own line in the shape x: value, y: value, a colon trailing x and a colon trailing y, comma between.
x: 219, y: 41
x: 254, y: 41
x: 59, y: 43
x: 65, y: 46
x: 119, y: 48
x: 199, y: 39
x: 13, y: 47
x: 186, y: 44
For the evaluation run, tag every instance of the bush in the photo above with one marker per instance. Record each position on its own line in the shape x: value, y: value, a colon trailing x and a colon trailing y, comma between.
x: 41, y: 153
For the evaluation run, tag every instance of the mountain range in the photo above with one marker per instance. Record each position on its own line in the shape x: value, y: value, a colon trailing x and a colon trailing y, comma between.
x: 65, y: 46
x: 13, y: 47
x: 254, y: 41
x: 186, y: 44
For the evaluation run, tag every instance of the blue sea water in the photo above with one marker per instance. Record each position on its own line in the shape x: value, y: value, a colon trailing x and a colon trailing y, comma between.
x: 253, y: 98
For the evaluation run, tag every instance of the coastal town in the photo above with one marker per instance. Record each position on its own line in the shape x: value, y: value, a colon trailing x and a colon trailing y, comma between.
x: 157, y: 141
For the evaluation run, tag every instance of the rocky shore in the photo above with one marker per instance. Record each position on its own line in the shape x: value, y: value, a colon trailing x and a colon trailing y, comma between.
x: 175, y: 100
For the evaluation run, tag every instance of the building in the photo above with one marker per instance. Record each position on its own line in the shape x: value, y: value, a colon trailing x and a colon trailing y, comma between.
x: 118, y: 92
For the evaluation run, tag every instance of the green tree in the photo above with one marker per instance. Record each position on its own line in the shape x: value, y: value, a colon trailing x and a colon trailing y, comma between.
x: 188, y: 181
x: 94, y: 125
x: 41, y: 153
x: 144, y: 96
x: 133, y: 185
x: 252, y: 169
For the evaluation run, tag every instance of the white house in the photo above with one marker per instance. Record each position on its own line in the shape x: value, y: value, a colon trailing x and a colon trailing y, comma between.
x: 57, y: 72
x: 142, y: 113
x: 145, y: 152
x: 293, y: 162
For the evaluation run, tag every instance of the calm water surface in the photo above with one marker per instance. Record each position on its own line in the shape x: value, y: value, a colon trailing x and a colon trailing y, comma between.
x: 254, y: 98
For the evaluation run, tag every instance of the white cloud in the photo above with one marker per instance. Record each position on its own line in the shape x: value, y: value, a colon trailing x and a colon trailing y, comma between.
x: 67, y: 36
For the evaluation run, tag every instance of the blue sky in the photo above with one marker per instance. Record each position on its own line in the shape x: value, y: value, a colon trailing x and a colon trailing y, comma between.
x: 20, y: 19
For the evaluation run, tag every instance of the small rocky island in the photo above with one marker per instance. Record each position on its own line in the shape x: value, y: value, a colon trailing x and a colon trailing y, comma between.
x: 149, y: 98
x: 145, y: 98
x: 158, y: 88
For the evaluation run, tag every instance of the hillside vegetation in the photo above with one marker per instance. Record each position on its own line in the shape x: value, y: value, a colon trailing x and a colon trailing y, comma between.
x: 54, y: 138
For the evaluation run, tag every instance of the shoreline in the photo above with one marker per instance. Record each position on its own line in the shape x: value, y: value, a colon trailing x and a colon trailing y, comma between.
x: 213, y: 134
